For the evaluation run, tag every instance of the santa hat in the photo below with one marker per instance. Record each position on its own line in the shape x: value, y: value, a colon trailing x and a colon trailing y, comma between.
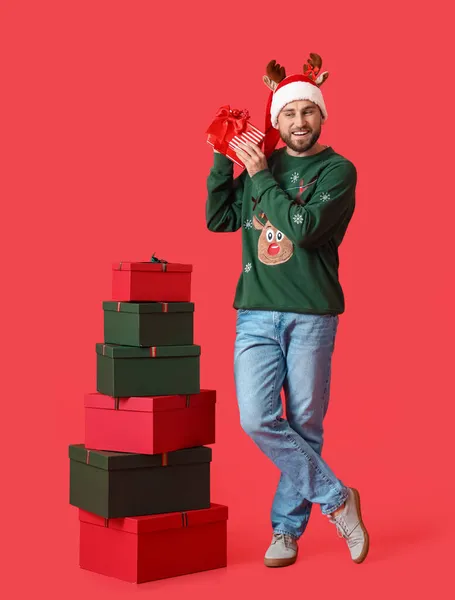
x: 289, y: 89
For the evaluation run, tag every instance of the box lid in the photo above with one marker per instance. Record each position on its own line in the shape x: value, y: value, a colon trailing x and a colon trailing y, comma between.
x: 149, y: 307
x: 152, y: 266
x: 151, y: 523
x: 114, y: 461
x: 150, y: 403
x: 117, y: 351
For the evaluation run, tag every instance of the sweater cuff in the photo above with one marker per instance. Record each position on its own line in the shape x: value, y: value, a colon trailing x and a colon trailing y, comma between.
x: 222, y: 164
x: 262, y: 181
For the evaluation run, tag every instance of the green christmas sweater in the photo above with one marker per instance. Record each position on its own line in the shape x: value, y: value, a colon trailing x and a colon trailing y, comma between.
x: 293, y: 216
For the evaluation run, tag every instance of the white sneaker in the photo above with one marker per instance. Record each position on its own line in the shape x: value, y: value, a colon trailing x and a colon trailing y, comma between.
x: 282, y: 551
x: 350, y: 526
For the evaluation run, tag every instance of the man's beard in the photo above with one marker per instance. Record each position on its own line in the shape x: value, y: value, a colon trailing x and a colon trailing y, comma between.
x: 299, y: 146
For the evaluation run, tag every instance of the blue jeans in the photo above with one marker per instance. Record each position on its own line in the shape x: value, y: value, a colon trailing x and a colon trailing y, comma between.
x: 293, y: 351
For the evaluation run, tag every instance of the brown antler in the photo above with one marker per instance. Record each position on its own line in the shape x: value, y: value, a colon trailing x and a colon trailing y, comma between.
x: 312, y: 67
x: 275, y: 74
x: 275, y: 71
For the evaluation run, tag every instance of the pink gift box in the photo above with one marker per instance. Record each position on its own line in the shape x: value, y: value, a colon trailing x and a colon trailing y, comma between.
x: 149, y: 425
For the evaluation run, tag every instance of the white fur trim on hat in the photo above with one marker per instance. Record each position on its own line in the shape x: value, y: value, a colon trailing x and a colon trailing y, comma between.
x: 297, y: 90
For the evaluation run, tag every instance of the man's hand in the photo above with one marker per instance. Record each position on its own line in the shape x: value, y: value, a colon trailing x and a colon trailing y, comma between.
x: 252, y: 157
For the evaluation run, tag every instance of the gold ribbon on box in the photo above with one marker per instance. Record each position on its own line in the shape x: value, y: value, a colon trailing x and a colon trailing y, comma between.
x: 154, y: 259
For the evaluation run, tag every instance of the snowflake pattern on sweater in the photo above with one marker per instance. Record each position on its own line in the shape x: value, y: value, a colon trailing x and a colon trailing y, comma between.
x: 294, y: 177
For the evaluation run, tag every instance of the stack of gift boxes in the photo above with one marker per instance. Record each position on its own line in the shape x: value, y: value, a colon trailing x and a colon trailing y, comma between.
x: 141, y: 481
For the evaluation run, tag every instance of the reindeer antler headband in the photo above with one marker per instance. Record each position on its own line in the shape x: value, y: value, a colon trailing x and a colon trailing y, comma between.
x: 276, y: 73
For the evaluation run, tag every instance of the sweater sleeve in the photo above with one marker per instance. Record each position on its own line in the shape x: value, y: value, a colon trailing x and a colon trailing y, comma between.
x: 314, y: 223
x: 224, y: 201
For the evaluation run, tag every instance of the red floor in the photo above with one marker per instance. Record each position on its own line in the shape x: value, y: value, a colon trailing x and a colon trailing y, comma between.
x: 411, y: 541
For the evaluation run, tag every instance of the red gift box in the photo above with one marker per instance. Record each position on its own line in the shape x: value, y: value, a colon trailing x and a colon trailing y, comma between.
x: 149, y: 425
x: 229, y: 126
x: 140, y: 549
x: 151, y: 282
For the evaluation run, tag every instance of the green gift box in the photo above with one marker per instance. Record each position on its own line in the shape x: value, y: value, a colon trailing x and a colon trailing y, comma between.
x: 148, y: 323
x: 117, y: 484
x: 124, y: 371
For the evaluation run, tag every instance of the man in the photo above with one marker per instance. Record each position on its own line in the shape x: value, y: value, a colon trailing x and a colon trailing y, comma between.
x: 294, y: 209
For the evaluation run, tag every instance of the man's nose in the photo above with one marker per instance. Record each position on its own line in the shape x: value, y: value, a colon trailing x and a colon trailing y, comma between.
x: 300, y: 120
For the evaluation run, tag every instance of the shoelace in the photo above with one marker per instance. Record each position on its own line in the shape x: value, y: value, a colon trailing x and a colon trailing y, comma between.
x: 289, y: 541
x: 343, y: 531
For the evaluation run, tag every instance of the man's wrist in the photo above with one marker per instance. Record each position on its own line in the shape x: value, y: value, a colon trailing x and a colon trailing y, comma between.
x: 257, y: 172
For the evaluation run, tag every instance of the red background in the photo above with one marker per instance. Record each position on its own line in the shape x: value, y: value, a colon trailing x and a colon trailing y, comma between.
x: 104, y: 105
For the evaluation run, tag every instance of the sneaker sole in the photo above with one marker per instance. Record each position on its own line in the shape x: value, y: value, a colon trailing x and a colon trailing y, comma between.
x: 366, y: 545
x: 279, y: 562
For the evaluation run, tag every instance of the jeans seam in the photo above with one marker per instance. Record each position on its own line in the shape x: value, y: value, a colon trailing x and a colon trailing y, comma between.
x: 325, y: 398
x: 310, y: 460
x: 272, y: 392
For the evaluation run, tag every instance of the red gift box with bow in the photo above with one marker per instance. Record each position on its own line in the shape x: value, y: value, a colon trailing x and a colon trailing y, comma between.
x: 154, y: 281
x: 229, y: 126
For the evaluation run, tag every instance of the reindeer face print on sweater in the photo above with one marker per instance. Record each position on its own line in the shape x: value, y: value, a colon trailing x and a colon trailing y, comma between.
x: 274, y: 248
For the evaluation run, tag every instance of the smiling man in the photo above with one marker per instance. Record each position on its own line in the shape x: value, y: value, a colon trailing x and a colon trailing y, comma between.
x: 300, y: 127
x: 294, y: 208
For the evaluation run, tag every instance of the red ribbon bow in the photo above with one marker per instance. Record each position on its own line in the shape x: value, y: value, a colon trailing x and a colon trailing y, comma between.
x: 227, y: 121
